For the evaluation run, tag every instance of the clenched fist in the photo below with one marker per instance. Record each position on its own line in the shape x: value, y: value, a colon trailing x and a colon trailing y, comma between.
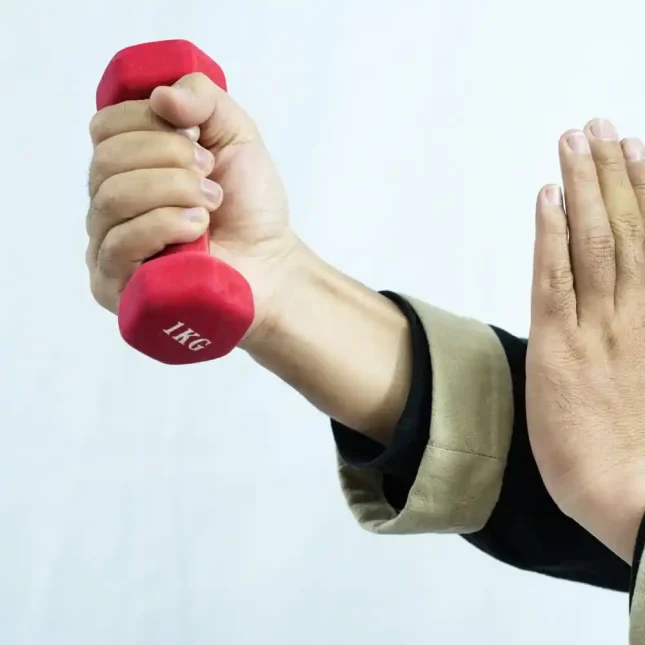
x: 586, y: 353
x: 166, y: 169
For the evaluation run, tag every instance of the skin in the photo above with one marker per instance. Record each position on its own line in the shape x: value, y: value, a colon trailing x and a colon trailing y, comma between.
x: 166, y: 169
x: 586, y: 356
x: 190, y: 159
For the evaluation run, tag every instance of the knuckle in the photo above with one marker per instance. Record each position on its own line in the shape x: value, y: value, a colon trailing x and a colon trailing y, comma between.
x: 610, y: 164
x: 89, y: 220
x: 100, y: 168
x: 629, y: 225
x: 612, y: 338
x: 108, y: 196
x: 101, y: 157
x: 558, y: 279
x: 97, y: 127
x: 110, y: 254
x: 600, y: 242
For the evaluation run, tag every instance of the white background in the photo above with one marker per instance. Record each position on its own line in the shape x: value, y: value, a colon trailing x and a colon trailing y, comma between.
x: 142, y: 504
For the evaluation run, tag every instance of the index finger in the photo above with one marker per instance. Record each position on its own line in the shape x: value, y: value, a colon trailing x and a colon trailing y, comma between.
x: 131, y: 116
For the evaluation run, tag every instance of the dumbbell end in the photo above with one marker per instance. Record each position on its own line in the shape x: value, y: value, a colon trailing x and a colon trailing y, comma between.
x: 135, y: 71
x: 185, y: 308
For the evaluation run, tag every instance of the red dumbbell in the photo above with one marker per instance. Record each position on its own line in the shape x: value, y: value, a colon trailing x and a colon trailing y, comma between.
x: 182, y: 306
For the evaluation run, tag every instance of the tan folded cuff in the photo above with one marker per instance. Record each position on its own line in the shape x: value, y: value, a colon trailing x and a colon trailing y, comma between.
x: 637, y: 617
x: 460, y: 476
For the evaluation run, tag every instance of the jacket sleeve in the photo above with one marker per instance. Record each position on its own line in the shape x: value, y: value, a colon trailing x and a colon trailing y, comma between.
x: 637, y: 591
x: 460, y: 459
x: 460, y: 474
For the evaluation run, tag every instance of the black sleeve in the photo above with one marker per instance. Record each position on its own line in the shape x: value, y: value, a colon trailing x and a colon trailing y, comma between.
x: 526, y: 528
x: 637, y: 560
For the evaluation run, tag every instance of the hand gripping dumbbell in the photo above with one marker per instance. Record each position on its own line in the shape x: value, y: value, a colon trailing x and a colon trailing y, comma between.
x: 182, y: 305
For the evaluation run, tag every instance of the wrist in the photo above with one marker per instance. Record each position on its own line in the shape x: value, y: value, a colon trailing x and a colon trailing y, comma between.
x: 293, y: 283
x: 343, y: 346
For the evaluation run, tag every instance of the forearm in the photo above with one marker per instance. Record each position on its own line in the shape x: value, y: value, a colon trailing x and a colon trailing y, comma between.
x: 343, y: 346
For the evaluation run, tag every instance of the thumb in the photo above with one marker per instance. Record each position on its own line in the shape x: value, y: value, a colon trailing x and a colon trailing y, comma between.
x: 196, y: 101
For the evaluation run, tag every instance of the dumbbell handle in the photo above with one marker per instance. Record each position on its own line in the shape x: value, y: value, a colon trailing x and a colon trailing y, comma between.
x: 182, y: 306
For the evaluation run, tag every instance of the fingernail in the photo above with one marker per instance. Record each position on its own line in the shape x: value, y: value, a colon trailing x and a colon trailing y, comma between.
x: 212, y: 190
x: 553, y: 195
x: 633, y: 149
x: 578, y: 143
x: 603, y: 130
x: 197, y: 214
x: 190, y: 133
x: 203, y: 157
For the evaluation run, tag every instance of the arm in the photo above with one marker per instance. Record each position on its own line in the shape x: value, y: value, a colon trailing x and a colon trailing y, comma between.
x: 443, y: 452
x: 521, y: 526
x: 345, y: 347
x: 328, y: 333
